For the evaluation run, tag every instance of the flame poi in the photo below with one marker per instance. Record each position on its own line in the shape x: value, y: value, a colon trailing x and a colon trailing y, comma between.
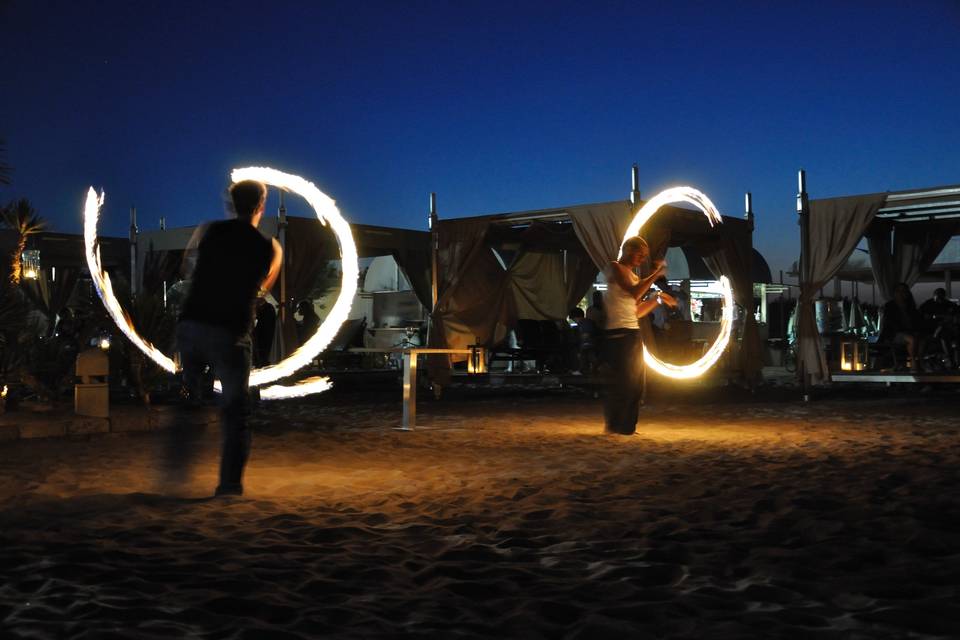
x: 327, y: 213
x: 712, y: 355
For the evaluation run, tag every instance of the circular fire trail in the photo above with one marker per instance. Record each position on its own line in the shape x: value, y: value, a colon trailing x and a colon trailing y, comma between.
x: 712, y: 355
x: 327, y: 213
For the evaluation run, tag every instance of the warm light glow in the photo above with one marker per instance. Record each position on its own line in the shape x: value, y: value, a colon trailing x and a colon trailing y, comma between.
x: 712, y: 355
x: 327, y: 213
x: 3, y: 394
x: 304, y: 387
x: 104, y: 343
x: 30, y: 274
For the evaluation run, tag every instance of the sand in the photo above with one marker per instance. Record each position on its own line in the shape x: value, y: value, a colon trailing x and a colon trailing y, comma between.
x: 506, y: 517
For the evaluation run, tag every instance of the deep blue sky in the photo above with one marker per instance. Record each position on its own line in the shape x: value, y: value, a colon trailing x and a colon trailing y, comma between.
x: 495, y: 106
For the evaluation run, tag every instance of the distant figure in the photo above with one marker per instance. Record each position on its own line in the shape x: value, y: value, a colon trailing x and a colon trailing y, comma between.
x: 625, y: 301
x: 683, y: 300
x: 572, y: 337
x: 940, y: 323
x: 235, y: 265
x: 902, y: 324
x: 264, y: 332
x: 309, y: 321
x: 595, y: 311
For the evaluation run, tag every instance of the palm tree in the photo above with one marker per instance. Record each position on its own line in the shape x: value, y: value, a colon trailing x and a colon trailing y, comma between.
x: 6, y: 171
x: 22, y: 218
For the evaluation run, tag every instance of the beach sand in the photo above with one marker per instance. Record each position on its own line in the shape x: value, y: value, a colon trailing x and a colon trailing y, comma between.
x: 503, y: 517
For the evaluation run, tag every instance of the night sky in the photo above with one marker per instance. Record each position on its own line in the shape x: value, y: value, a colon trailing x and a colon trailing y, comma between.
x: 495, y: 106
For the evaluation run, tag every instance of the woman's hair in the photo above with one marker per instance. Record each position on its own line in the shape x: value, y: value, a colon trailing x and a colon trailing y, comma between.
x: 247, y: 196
x: 636, y: 243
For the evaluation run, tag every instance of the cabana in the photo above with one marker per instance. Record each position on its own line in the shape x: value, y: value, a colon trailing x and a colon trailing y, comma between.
x: 905, y: 230
x: 495, y: 270
x: 308, y: 247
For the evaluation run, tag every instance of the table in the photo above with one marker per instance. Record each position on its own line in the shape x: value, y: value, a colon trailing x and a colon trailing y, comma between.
x: 410, y: 376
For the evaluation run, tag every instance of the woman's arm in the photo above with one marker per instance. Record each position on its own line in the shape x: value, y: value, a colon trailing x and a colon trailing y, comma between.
x: 621, y: 275
x: 275, y: 263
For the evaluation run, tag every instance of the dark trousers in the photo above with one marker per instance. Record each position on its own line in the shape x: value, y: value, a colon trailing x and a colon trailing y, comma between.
x: 623, y: 352
x: 201, y: 345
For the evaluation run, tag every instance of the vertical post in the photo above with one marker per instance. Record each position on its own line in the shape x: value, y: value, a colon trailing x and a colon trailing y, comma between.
x: 134, y: 280
x: 748, y: 208
x: 409, y: 390
x: 163, y: 223
x: 803, y: 211
x: 635, y: 185
x: 434, y: 248
x: 282, y: 239
x: 948, y: 282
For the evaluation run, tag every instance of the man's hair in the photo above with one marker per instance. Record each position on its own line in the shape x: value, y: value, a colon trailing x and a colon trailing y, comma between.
x: 636, y: 243
x: 940, y: 292
x: 247, y: 196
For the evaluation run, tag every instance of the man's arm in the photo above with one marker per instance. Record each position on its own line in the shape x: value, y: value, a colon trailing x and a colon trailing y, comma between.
x: 275, y: 263
x: 189, y: 261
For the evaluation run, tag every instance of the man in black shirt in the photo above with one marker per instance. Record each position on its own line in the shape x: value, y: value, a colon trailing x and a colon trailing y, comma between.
x: 235, y: 265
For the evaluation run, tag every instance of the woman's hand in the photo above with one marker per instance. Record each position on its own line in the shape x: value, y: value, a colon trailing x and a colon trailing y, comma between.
x: 669, y: 300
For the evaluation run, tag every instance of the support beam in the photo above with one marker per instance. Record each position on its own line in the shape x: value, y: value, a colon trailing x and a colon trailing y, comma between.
x: 803, y: 212
x: 635, y: 186
x: 134, y: 232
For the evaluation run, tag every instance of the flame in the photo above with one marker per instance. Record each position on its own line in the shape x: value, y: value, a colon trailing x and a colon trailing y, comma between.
x: 101, y: 282
x: 712, y: 355
x: 327, y: 212
x: 304, y: 387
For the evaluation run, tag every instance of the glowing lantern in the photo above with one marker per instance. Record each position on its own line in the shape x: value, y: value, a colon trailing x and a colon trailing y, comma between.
x: 711, y: 355
x: 327, y: 213
x: 30, y: 264
x: 477, y: 363
x: 853, y: 355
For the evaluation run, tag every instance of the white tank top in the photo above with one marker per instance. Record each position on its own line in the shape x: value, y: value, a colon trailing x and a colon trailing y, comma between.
x: 620, y: 306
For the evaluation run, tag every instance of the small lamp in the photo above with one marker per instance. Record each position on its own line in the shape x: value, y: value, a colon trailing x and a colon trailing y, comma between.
x: 477, y: 363
x: 30, y: 264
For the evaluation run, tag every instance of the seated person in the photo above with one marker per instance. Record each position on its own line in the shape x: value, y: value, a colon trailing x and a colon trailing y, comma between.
x: 940, y: 322
x: 902, y: 324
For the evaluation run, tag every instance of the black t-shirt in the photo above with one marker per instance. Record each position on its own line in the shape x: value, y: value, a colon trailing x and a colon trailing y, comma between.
x: 232, y: 261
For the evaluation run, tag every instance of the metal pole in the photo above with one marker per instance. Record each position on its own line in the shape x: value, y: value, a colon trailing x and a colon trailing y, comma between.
x: 163, y: 223
x: 803, y: 211
x: 409, y: 390
x: 282, y: 233
x: 948, y: 282
x: 635, y: 185
x: 748, y: 208
x: 133, y: 251
x: 434, y: 248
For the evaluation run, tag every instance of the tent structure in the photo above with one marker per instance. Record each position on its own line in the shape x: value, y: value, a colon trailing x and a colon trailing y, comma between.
x: 494, y: 270
x: 906, y: 231
x: 308, y: 246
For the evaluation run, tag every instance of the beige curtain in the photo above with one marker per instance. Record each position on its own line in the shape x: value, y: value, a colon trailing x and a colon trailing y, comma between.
x: 735, y: 260
x: 600, y: 230
x: 469, y: 278
x: 915, y: 247
x: 835, y: 227
x: 545, y: 286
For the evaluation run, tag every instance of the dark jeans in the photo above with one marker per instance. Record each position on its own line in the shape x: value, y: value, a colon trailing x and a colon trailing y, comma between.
x: 200, y: 345
x: 623, y: 352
